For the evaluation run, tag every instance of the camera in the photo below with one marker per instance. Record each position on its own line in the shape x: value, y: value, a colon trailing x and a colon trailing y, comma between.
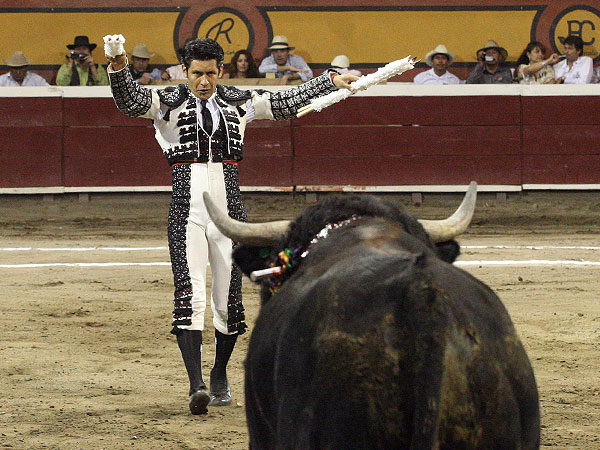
x: 487, y: 58
x: 77, y: 55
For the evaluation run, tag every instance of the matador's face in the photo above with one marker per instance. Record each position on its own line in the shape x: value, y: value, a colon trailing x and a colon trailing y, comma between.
x: 203, y: 76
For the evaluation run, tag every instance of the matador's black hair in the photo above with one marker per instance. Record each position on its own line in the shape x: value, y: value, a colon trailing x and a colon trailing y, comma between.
x: 203, y: 50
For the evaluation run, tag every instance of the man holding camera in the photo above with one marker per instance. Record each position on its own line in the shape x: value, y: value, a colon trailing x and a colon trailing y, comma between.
x: 489, y: 69
x: 80, y: 69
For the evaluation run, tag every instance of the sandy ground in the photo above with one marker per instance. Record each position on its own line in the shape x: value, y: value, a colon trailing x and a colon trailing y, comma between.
x: 87, y: 361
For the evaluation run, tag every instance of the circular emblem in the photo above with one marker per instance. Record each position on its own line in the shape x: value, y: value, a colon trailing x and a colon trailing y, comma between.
x: 228, y: 27
x: 582, y: 21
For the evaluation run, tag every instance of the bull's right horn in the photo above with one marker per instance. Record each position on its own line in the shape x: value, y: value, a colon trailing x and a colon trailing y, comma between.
x: 258, y: 234
x: 457, y: 223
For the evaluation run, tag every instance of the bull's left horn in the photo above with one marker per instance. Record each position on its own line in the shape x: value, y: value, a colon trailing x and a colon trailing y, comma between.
x: 246, y: 233
x: 457, y: 223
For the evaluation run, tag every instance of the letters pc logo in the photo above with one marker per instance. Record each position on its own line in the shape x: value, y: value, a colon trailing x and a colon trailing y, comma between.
x: 228, y: 27
x: 582, y: 21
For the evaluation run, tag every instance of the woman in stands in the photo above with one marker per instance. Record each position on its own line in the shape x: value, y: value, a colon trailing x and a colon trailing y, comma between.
x: 532, y: 68
x: 242, y: 66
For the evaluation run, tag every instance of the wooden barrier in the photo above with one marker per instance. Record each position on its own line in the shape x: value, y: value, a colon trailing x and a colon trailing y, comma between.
x: 392, y: 137
x: 31, y: 141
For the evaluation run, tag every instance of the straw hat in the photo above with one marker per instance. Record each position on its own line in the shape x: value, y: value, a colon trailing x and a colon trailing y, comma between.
x: 341, y: 61
x: 280, y: 42
x: 493, y: 44
x: 17, y: 60
x: 141, y: 51
x: 81, y: 41
x: 439, y: 50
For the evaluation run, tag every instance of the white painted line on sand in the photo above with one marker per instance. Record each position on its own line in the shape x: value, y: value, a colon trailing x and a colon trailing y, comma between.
x: 80, y: 249
x: 136, y: 249
x: 108, y: 264
x: 531, y: 262
x: 532, y: 247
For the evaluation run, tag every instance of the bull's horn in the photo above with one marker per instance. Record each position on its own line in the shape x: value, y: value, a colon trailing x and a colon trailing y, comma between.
x: 457, y: 223
x: 246, y: 233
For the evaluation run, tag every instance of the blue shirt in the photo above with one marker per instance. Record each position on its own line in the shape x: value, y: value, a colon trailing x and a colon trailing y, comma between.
x: 268, y: 65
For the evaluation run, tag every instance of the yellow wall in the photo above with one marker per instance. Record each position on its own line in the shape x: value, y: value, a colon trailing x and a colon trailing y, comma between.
x: 51, y: 32
x: 376, y: 36
x: 368, y: 35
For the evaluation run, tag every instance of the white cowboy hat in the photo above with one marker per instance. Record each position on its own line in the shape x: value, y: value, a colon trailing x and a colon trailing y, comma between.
x: 280, y: 42
x: 340, y: 61
x: 439, y: 50
x: 141, y: 51
x: 493, y: 44
x: 17, y: 60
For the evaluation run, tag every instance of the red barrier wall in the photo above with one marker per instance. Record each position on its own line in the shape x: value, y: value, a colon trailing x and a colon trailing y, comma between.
x: 560, y: 137
x: 103, y: 147
x: 383, y: 140
x: 410, y: 141
x: 31, y: 141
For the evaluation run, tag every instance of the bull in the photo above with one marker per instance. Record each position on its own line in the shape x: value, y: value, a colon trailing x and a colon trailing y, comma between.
x: 369, y: 338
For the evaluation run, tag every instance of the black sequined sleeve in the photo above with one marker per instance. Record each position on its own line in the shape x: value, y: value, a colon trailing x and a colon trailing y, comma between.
x: 131, y: 98
x: 285, y: 104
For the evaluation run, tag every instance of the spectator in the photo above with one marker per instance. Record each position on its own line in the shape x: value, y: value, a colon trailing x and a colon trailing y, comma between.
x: 80, y: 69
x: 19, y: 75
x: 438, y: 59
x: 175, y: 72
x: 532, y: 68
x: 490, y: 69
x: 341, y: 64
x: 285, y: 66
x: 242, y: 66
x: 140, y: 60
x: 575, y: 68
x: 596, y: 76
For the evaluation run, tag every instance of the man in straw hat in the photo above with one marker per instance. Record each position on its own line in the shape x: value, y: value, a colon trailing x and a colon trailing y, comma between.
x: 80, y: 69
x: 140, y: 59
x: 283, y: 64
x: 438, y: 59
x: 489, y: 69
x: 341, y: 63
x: 18, y: 74
x: 200, y: 127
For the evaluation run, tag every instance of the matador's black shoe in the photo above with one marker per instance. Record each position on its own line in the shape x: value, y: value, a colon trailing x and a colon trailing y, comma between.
x: 220, y: 392
x: 199, y: 401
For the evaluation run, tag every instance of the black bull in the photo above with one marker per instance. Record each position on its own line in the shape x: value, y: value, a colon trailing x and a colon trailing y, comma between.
x: 376, y: 341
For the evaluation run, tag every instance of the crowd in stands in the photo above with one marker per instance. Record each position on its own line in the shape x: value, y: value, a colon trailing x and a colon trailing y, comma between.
x: 532, y: 67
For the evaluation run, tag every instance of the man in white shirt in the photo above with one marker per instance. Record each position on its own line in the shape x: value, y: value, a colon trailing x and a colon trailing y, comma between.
x: 438, y: 59
x: 575, y: 68
x: 19, y: 74
x: 283, y: 64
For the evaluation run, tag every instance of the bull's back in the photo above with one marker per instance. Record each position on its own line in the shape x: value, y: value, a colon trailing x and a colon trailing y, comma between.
x: 353, y: 349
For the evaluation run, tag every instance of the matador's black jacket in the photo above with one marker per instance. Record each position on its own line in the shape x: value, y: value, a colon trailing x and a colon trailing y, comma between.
x: 173, y: 111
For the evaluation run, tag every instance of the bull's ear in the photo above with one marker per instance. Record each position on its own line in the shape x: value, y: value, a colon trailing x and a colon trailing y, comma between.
x: 448, y: 250
x: 250, y: 258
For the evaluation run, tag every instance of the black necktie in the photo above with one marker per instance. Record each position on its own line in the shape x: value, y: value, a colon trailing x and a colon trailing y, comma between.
x: 207, y: 122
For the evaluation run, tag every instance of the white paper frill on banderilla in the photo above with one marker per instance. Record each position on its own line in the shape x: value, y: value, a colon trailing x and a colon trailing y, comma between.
x: 366, y: 81
x: 113, y: 45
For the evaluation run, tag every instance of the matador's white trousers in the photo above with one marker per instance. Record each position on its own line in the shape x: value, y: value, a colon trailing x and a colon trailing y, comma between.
x: 205, y: 243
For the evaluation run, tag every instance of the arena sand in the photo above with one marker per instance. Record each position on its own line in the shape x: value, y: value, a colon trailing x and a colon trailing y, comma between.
x: 87, y: 361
